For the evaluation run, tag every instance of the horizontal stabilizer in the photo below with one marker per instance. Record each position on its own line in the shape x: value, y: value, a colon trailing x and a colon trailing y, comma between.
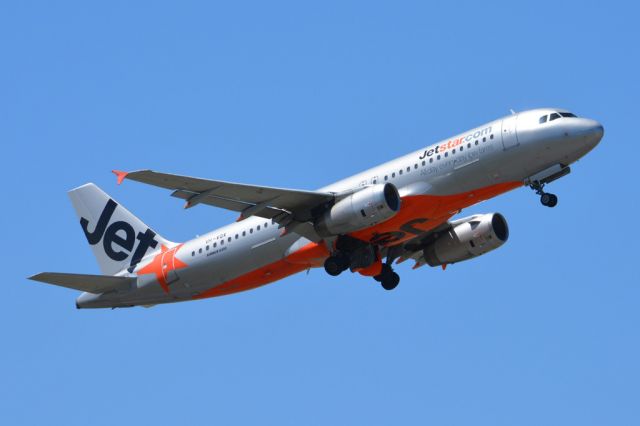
x: 84, y: 282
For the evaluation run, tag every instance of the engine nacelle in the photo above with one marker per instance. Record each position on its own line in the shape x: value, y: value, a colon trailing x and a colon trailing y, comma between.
x: 472, y: 237
x: 362, y: 209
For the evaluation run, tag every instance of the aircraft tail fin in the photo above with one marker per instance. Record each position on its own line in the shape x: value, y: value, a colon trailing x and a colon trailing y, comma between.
x: 90, y: 283
x: 119, y: 239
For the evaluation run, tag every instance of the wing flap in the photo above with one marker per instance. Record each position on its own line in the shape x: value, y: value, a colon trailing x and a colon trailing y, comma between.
x: 247, y: 209
x: 84, y: 282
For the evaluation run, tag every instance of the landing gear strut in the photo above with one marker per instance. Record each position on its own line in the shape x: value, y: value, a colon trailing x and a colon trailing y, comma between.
x: 387, y: 278
x: 546, y: 199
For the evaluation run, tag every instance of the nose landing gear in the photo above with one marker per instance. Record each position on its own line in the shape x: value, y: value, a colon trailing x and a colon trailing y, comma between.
x: 549, y: 200
x: 546, y: 199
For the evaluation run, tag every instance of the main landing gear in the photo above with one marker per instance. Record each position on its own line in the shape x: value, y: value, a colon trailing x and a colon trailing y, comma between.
x: 340, y: 262
x: 336, y: 264
x: 387, y: 278
x: 546, y: 199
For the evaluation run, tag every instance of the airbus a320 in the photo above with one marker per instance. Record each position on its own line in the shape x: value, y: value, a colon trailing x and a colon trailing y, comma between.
x: 401, y: 210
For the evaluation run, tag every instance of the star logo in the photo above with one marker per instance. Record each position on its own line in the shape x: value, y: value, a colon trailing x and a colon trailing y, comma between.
x: 162, y: 265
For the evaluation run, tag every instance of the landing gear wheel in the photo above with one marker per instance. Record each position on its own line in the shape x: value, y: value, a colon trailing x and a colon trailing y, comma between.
x: 387, y: 278
x: 390, y: 281
x: 335, y: 265
x: 548, y: 200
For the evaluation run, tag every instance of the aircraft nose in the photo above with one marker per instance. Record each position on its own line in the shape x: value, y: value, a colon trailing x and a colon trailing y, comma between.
x: 598, y: 131
x: 595, y: 132
x: 588, y: 133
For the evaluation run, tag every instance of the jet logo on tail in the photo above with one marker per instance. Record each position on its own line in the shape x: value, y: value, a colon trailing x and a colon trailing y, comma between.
x: 117, y: 246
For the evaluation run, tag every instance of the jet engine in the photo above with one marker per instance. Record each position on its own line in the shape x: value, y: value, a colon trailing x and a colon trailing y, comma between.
x: 468, y: 238
x: 362, y: 209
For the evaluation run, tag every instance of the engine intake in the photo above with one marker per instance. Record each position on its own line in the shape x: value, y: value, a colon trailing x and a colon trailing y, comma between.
x: 362, y: 209
x: 471, y: 237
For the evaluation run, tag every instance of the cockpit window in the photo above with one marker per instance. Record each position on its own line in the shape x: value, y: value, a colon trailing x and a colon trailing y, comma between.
x: 543, y: 119
x: 554, y: 116
x: 567, y: 114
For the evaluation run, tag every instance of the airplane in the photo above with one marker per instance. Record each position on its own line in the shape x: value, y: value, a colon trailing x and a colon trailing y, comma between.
x: 400, y: 210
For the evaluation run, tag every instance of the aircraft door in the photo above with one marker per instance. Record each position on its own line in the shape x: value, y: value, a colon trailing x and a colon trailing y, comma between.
x: 509, y: 134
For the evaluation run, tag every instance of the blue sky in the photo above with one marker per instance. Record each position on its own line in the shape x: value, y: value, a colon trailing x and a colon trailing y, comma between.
x: 542, y: 331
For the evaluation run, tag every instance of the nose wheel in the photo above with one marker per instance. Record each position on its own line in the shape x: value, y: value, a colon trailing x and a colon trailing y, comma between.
x: 546, y: 199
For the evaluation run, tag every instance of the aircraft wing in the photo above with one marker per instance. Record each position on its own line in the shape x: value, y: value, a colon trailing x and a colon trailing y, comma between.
x: 290, y: 208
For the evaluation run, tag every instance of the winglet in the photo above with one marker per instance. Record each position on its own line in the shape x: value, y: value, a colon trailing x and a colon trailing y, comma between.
x: 444, y: 266
x: 120, y: 175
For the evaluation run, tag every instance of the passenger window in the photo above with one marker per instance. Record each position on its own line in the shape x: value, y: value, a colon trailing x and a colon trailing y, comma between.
x: 431, y: 160
x: 236, y: 236
x: 393, y: 174
x: 400, y: 171
x: 415, y: 166
x: 258, y: 227
x: 543, y: 119
x: 408, y: 169
x: 244, y: 233
x: 446, y: 154
x: 251, y: 231
x: 221, y: 242
x: 476, y: 142
x: 461, y: 148
x: 484, y: 139
x: 215, y: 245
x: 265, y: 224
x: 554, y: 116
x: 207, y: 247
x: 424, y: 162
x: 200, y: 250
x: 469, y: 145
x: 438, y: 156
x: 491, y: 137
x: 374, y: 182
x: 229, y: 239
x: 386, y: 177
x: 454, y: 151
x: 193, y: 253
